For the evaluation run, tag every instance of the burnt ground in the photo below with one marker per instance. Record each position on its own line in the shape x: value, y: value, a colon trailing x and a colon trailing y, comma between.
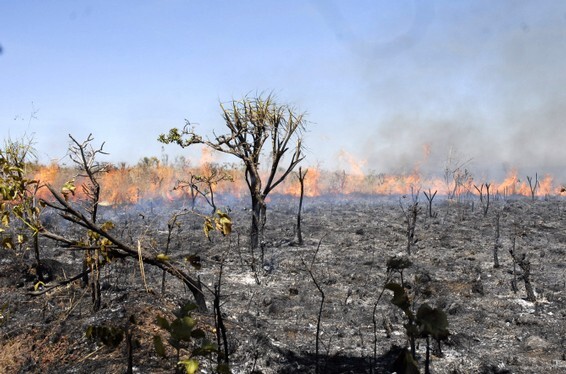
x: 272, y: 325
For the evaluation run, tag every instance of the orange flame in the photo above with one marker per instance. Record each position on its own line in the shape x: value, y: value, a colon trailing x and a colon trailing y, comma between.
x: 152, y: 179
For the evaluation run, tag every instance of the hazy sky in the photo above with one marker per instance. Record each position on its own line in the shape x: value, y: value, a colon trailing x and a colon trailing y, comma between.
x: 393, y: 84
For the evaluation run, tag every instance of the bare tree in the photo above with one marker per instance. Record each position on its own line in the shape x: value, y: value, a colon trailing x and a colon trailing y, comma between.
x: 258, y: 128
x: 533, y: 185
x: 301, y: 177
x: 203, y: 184
x: 84, y: 156
x: 480, y: 192
x: 430, y: 196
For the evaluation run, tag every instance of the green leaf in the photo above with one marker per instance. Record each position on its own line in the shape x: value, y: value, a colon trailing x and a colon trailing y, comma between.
x: 186, y: 309
x: 68, y: 188
x: 162, y: 257
x: 400, y: 298
x: 163, y: 323
x: 159, y: 346
x: 433, y: 322
x: 190, y: 365
x: 181, y: 328
x: 205, y: 349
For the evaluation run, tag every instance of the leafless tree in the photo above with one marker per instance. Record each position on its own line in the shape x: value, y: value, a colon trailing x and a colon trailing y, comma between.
x: 484, y: 202
x: 430, y: 196
x: 533, y: 185
x: 301, y: 177
x: 258, y: 129
x: 84, y: 155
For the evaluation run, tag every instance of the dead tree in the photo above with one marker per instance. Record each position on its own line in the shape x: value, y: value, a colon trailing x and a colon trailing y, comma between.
x: 258, y: 128
x: 484, y: 202
x: 203, y: 184
x: 301, y: 177
x: 115, y: 247
x: 456, y: 176
x: 84, y: 156
x: 533, y: 185
x: 497, y: 243
x: 411, y: 213
x: 322, y: 298
x: 430, y: 196
x: 525, y: 266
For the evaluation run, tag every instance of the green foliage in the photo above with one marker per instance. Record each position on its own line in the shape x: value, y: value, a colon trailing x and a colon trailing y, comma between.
x: 428, y: 322
x: 400, y: 298
x: 182, y: 333
x: 17, y: 191
x: 432, y: 322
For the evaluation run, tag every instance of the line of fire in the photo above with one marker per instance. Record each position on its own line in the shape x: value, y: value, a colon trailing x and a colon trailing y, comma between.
x: 152, y: 179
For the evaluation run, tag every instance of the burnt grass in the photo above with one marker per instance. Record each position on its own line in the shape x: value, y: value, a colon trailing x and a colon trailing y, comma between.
x: 272, y: 325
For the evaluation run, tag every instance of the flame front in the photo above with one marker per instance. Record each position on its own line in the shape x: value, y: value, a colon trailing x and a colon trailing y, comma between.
x: 151, y: 179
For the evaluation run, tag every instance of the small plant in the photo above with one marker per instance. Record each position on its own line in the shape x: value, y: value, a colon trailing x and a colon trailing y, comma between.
x: 183, y: 335
x: 427, y: 323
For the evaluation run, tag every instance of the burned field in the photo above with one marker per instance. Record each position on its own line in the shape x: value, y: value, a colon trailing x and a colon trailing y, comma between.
x: 273, y: 315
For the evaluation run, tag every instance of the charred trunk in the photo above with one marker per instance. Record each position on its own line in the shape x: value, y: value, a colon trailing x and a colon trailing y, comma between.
x: 259, y: 216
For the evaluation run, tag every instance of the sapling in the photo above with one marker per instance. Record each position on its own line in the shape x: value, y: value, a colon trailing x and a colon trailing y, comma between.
x: 427, y: 323
x: 183, y: 334
x: 18, y: 197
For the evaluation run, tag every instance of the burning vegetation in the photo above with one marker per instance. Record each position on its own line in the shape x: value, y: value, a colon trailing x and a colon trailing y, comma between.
x: 152, y: 179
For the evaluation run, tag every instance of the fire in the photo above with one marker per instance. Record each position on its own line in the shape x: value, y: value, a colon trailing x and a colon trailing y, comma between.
x: 152, y: 179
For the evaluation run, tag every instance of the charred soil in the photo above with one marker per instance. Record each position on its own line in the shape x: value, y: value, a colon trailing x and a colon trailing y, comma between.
x: 271, y: 315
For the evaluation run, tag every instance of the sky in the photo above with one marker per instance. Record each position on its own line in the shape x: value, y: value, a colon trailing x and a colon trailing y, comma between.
x: 392, y: 86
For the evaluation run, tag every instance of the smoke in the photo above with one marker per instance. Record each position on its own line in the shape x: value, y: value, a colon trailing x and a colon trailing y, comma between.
x: 479, y: 79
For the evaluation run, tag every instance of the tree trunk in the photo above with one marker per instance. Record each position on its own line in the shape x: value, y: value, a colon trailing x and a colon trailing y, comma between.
x: 259, y: 216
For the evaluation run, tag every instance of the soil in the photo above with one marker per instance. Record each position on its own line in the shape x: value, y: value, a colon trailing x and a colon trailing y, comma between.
x: 271, y: 315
